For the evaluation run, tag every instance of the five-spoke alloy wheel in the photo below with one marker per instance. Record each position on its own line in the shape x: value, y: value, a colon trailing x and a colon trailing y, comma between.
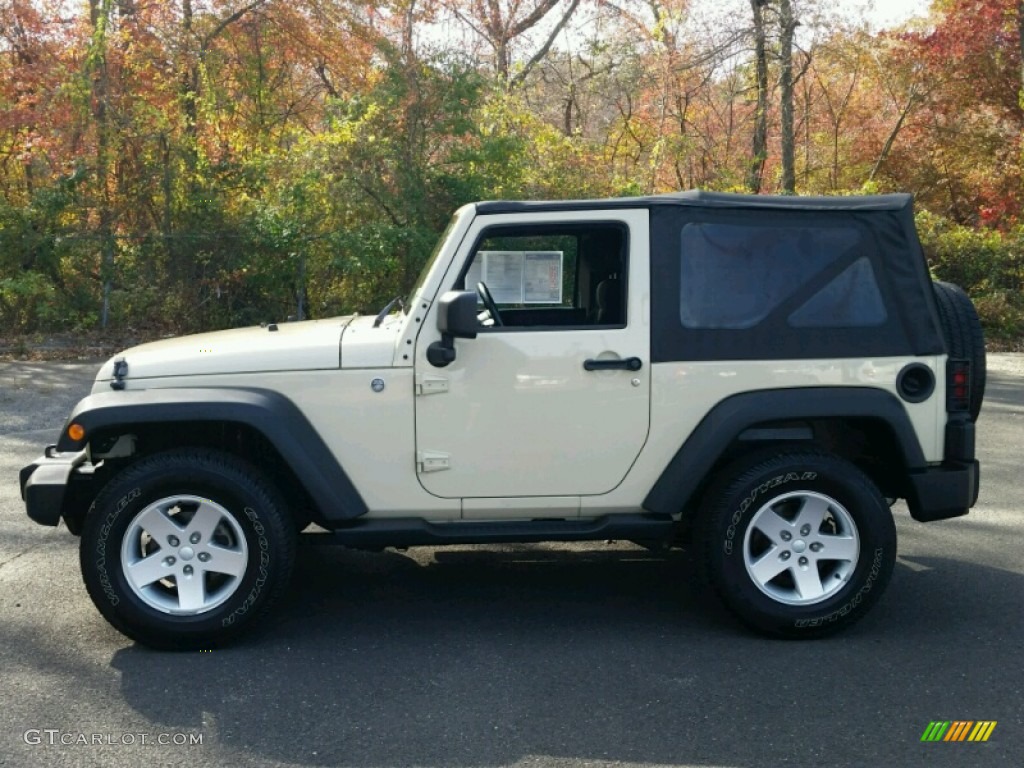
x: 801, y: 547
x: 183, y: 549
x: 184, y: 555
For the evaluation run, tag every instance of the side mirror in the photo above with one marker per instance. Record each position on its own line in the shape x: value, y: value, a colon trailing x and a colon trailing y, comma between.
x: 456, y: 319
x: 456, y: 314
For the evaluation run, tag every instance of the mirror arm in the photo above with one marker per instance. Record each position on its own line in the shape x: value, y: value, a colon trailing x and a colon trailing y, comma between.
x: 442, y: 353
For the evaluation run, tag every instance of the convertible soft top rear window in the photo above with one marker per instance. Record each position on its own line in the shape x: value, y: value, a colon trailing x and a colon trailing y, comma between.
x: 790, y: 283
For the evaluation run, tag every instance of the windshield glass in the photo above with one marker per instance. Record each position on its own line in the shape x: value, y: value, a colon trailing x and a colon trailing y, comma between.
x: 429, y: 263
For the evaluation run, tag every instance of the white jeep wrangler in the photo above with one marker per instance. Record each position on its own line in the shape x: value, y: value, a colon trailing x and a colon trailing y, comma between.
x: 756, y: 376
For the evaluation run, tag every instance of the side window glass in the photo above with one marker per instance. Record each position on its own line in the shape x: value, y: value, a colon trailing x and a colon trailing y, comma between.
x: 551, y: 276
x: 525, y: 271
x: 852, y: 300
x: 733, y: 275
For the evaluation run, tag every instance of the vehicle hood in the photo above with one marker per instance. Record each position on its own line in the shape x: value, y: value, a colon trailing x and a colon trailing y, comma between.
x: 364, y: 346
x: 309, y: 345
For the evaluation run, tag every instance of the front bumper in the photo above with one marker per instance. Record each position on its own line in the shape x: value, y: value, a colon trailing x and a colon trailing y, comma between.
x: 44, y: 484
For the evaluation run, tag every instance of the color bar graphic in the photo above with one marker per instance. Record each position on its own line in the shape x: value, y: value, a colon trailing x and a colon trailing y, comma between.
x: 959, y: 730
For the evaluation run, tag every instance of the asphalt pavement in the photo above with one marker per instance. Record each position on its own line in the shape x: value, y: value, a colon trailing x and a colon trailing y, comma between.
x: 567, y: 656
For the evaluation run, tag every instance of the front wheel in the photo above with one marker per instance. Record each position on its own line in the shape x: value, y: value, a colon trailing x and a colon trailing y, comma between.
x: 184, y: 549
x: 797, y: 544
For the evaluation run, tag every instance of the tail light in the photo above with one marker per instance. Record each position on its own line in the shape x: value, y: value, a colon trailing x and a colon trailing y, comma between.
x: 958, y: 386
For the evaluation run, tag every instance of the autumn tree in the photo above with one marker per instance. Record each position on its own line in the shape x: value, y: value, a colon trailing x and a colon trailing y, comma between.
x: 967, y: 143
x: 193, y: 164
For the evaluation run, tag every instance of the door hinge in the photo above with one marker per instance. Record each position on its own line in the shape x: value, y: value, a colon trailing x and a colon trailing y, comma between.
x: 432, y: 461
x: 431, y: 385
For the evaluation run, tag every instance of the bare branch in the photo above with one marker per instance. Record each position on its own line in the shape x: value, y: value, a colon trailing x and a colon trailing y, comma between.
x: 469, y: 23
x: 540, y: 54
x: 227, y: 21
x: 533, y: 19
x: 890, y: 141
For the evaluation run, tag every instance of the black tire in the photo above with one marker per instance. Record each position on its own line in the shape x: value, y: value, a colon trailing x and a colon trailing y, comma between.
x: 965, y: 338
x: 770, y: 488
x: 249, y: 535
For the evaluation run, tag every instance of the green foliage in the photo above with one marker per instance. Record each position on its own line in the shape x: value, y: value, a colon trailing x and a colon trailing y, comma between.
x: 27, y: 300
x: 44, y: 274
x: 986, y: 263
x: 280, y: 160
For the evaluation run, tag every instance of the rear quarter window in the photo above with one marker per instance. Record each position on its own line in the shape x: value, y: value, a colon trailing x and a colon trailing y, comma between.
x: 788, y: 280
x: 735, y: 275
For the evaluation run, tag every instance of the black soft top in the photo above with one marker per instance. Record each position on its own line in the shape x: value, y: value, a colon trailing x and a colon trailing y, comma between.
x: 699, y: 199
x: 876, y: 249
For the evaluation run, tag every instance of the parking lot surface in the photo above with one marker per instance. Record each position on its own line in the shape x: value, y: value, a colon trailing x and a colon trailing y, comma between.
x: 557, y: 655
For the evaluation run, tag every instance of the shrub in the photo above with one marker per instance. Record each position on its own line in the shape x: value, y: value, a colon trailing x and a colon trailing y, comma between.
x: 986, y: 263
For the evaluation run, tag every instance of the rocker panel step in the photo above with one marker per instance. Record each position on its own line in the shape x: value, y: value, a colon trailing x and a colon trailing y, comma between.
x: 414, y: 532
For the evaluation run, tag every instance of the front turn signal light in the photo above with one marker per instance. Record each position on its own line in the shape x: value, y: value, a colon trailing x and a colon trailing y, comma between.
x: 76, y: 432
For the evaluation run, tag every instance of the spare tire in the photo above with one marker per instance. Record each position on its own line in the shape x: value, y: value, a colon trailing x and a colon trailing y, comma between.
x: 965, y: 339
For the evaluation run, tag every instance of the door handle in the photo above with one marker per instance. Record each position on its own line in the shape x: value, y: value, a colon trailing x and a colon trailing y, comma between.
x: 627, y: 364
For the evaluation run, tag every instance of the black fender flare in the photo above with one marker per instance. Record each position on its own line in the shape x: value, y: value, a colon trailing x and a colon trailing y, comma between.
x: 724, y: 423
x: 270, y: 413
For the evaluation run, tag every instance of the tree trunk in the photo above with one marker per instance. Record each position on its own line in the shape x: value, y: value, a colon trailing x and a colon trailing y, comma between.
x: 759, y: 152
x: 300, y: 289
x: 1020, y: 34
x: 99, y: 18
x: 788, y: 26
x: 502, y: 59
x: 189, y: 90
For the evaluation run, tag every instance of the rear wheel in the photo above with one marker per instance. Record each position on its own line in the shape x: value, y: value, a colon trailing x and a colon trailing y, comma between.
x: 185, y: 549
x: 797, y: 544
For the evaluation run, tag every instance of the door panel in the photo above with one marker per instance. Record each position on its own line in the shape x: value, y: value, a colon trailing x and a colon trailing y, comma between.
x: 517, y: 413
